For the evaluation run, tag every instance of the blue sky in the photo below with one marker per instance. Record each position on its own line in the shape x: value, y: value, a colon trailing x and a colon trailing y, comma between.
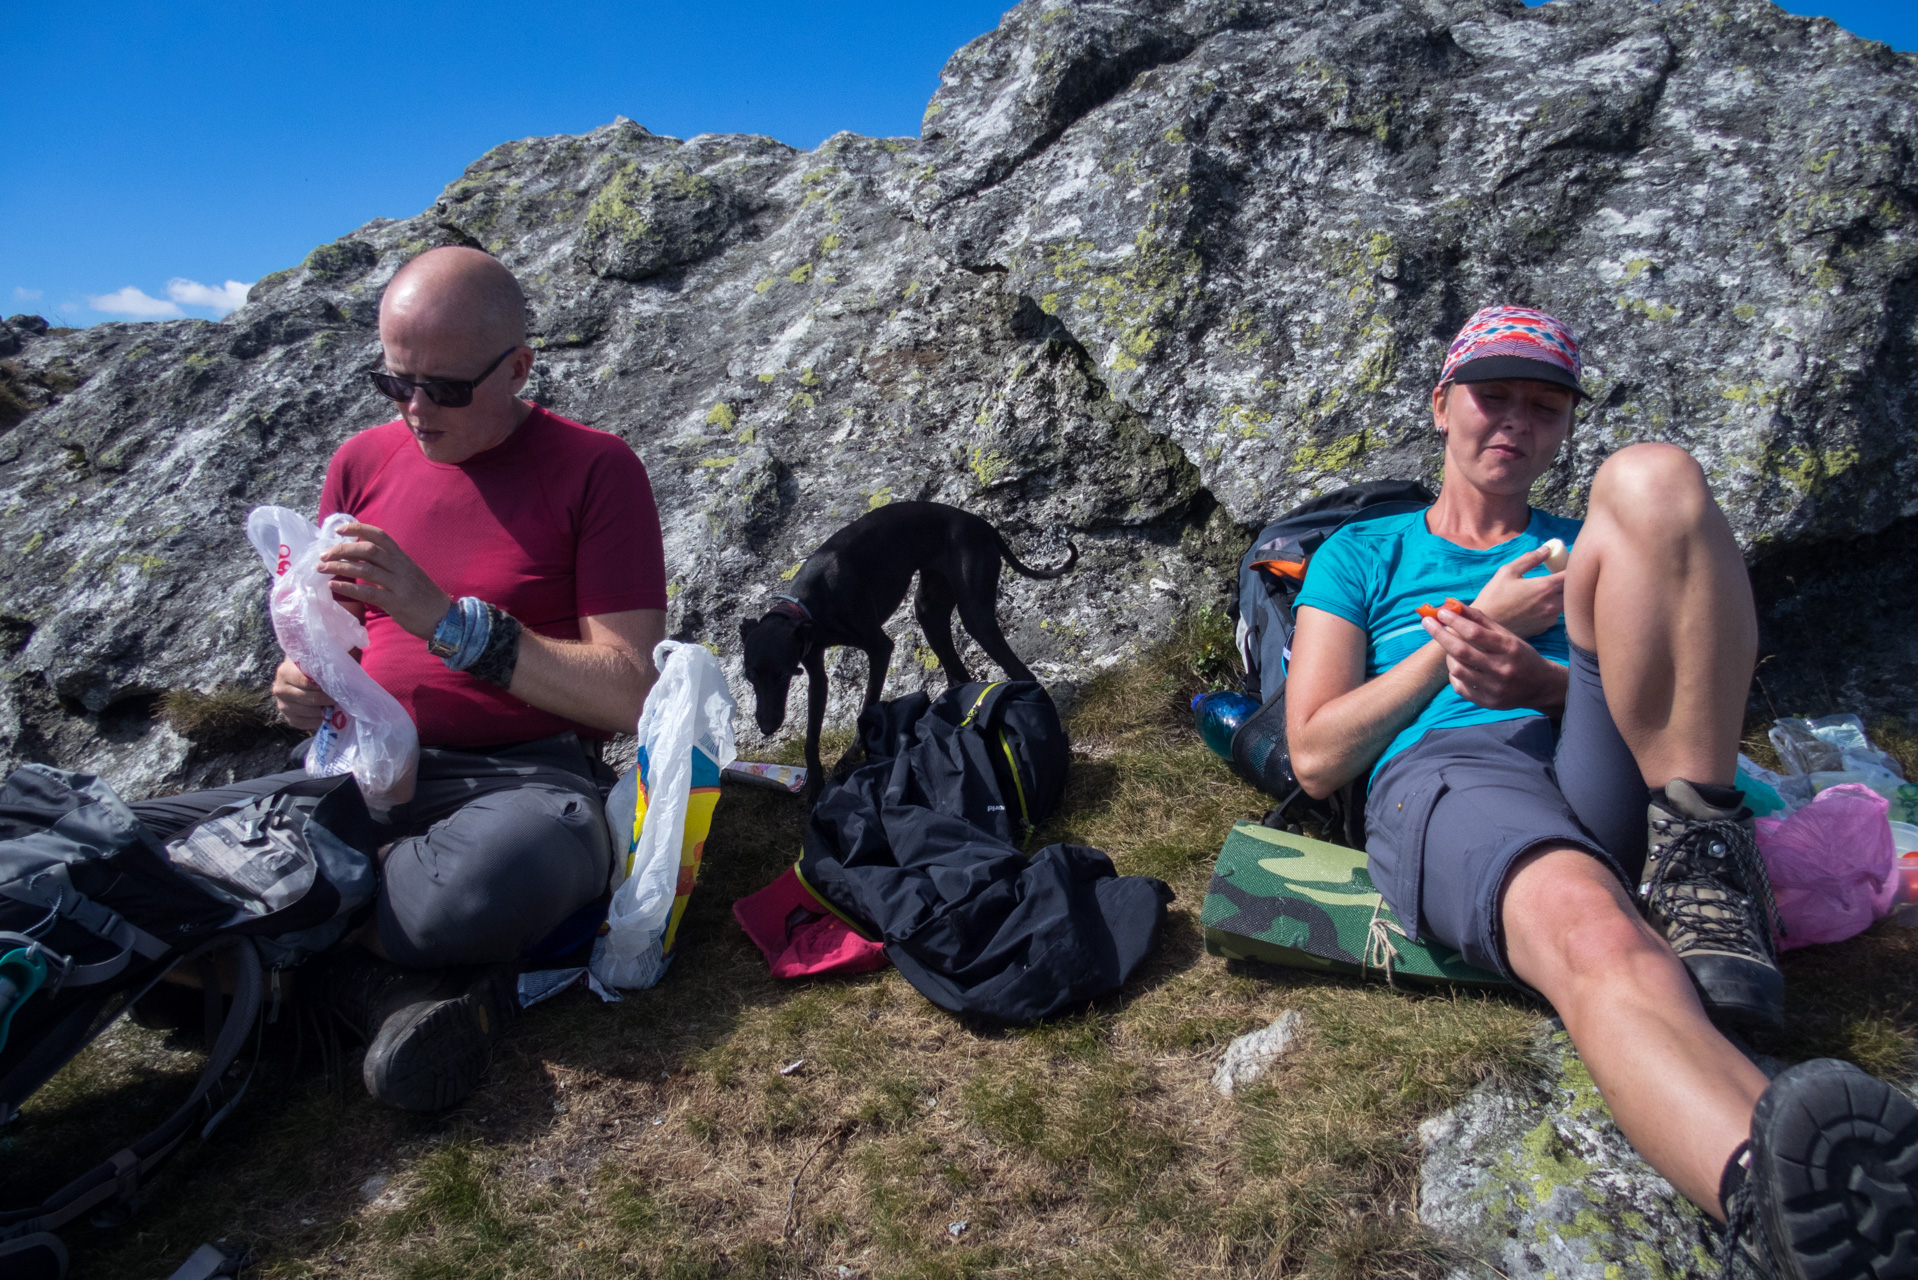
x: 162, y: 155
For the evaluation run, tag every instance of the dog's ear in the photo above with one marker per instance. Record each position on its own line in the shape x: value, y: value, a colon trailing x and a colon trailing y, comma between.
x: 746, y: 626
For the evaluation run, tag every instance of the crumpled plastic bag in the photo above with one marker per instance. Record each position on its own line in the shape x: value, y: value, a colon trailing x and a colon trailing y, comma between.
x: 1835, y: 744
x: 367, y: 733
x: 666, y: 802
x: 1831, y: 865
x: 1767, y: 792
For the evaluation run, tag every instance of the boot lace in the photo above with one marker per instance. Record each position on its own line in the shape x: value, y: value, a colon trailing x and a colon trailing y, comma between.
x: 1738, y: 1246
x: 1739, y: 872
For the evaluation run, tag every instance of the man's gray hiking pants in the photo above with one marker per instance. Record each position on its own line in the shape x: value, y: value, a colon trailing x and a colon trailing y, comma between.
x: 498, y: 846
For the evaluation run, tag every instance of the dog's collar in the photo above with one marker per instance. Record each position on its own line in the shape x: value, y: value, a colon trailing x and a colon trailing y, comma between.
x: 792, y: 606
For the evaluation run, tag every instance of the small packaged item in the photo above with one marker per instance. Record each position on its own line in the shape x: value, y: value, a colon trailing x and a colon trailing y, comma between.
x: 776, y: 777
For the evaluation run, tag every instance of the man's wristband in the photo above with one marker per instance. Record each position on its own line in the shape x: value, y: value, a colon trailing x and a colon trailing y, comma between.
x: 462, y: 634
x: 500, y: 655
x: 478, y: 638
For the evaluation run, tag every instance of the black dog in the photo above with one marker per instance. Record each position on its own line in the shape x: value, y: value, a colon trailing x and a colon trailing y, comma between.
x: 847, y: 589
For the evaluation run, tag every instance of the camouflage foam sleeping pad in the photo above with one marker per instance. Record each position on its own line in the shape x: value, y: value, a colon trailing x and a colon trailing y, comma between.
x: 1307, y: 904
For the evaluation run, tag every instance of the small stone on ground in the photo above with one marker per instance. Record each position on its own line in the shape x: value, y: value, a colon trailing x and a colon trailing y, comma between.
x: 1252, y: 1054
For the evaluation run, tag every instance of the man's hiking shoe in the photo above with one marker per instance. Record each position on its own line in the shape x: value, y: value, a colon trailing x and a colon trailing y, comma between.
x: 1829, y: 1185
x: 429, y: 1033
x: 1707, y: 891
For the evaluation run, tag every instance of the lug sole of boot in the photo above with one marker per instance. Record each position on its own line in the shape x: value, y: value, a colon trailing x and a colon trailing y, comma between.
x: 1836, y: 1169
x: 432, y: 1055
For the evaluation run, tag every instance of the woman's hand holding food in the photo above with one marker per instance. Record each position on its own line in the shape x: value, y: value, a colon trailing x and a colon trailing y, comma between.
x: 1488, y: 664
x: 1525, y: 606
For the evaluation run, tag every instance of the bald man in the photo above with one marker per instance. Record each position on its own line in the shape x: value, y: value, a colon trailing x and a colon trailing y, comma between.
x: 509, y: 568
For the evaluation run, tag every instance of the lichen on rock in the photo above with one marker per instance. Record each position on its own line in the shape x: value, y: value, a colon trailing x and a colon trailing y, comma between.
x: 1534, y: 1180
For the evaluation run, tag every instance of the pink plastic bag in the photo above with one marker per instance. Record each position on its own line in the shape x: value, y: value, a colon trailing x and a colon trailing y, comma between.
x: 1831, y: 865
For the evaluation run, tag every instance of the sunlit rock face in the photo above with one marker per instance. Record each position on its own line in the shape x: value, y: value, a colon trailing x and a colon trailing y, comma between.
x: 1151, y: 273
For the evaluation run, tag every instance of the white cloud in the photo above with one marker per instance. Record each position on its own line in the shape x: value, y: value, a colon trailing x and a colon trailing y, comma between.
x: 224, y: 298
x: 132, y: 302
x: 26, y: 295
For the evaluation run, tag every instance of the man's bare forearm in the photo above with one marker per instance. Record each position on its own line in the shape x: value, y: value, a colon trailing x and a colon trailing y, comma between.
x: 1343, y: 737
x: 603, y: 685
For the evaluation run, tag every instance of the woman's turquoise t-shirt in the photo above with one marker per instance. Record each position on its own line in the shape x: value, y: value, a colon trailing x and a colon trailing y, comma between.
x: 1375, y: 575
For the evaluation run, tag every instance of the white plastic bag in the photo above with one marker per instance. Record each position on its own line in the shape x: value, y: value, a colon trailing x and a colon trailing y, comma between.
x: 1832, y: 744
x: 367, y: 733
x: 665, y: 806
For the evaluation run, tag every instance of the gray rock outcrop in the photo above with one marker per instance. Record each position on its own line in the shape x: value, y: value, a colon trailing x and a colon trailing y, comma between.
x: 1537, y: 1182
x: 1152, y: 272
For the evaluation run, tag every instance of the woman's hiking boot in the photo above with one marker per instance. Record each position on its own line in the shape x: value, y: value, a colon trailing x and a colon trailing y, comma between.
x: 429, y: 1033
x: 1707, y: 891
x: 1827, y: 1188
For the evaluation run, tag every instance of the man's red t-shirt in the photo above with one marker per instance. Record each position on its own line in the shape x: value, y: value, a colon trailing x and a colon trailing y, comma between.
x: 554, y: 525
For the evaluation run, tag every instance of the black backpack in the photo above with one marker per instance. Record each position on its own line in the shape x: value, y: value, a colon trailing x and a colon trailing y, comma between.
x: 94, y: 912
x: 1271, y: 575
x: 1016, y: 726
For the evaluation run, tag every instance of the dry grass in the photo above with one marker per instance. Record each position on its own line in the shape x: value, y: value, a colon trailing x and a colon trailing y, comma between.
x: 229, y: 715
x: 672, y: 1135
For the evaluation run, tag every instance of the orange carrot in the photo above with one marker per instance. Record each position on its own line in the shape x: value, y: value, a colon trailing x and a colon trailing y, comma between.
x: 1427, y: 611
x: 1454, y: 605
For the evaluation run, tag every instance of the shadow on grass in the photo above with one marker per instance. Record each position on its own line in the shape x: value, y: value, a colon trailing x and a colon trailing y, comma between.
x: 290, y: 1167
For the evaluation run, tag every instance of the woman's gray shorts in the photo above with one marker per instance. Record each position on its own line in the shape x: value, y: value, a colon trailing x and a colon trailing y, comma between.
x: 1447, y: 817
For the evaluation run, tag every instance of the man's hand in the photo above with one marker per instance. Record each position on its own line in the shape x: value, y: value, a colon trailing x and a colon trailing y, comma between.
x: 387, y: 579
x: 1525, y: 606
x: 302, y: 703
x: 1488, y: 664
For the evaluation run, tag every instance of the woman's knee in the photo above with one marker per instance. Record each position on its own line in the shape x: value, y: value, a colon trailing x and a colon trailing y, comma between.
x: 1567, y: 919
x: 1605, y: 941
x: 1651, y: 483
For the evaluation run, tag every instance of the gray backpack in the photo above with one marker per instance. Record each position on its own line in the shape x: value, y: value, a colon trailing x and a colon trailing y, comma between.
x: 94, y: 912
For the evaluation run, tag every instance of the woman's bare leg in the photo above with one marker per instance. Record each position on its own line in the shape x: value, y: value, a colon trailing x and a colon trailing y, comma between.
x: 1682, y: 1095
x: 1658, y: 589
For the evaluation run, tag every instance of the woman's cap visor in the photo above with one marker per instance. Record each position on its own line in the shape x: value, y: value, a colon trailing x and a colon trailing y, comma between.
x: 1512, y: 368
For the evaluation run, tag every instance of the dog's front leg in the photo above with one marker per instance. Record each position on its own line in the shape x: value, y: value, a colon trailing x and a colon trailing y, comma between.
x: 815, y: 664
x: 880, y: 658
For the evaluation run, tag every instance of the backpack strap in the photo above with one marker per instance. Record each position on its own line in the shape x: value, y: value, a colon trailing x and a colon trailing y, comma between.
x: 53, y: 890
x: 1018, y: 788
x: 118, y: 1177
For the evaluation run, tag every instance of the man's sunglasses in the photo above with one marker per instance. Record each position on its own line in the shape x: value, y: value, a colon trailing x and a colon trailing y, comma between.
x: 447, y: 393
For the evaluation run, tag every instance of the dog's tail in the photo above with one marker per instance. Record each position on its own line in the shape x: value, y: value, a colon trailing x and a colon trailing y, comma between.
x: 1028, y: 571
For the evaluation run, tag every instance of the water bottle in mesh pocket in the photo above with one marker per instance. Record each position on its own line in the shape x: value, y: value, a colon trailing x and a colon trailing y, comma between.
x: 1260, y: 756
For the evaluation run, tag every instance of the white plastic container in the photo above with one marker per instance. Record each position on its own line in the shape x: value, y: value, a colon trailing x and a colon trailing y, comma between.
x: 1904, y: 907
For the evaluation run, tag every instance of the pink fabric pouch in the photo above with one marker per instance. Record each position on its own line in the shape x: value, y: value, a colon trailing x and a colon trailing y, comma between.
x: 800, y: 935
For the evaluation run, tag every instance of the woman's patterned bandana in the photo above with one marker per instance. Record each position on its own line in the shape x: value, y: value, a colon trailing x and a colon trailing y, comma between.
x: 1513, y: 331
